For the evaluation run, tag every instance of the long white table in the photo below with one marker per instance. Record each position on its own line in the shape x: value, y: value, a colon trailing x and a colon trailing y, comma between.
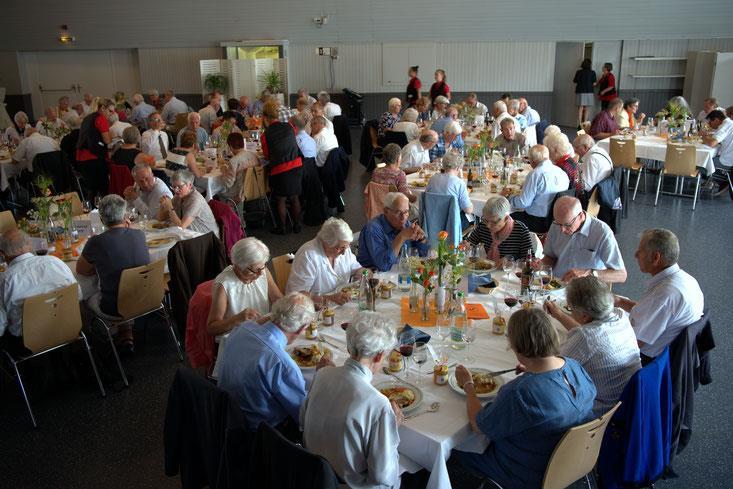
x: 655, y: 148
x: 8, y: 170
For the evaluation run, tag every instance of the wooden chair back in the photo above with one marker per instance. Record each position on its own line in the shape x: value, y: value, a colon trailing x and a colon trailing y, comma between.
x: 7, y: 221
x: 141, y: 289
x: 76, y: 207
x: 181, y: 121
x: 51, y: 319
x: 576, y: 453
x: 622, y: 152
x: 594, y: 206
x: 374, y: 194
x: 680, y: 160
x: 281, y: 266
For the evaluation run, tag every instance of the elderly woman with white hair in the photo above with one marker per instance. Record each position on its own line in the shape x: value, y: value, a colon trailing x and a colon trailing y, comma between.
x: 244, y: 290
x: 448, y: 182
x: 562, y: 155
x: 600, y: 338
x: 552, y: 129
x: 408, y: 125
x: 499, y: 233
x: 325, y: 264
x: 449, y: 140
x: 188, y: 209
x: 15, y: 134
x: 348, y: 421
x: 389, y: 118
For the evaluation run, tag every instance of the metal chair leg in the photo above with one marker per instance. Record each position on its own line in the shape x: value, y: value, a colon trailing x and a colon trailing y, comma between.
x: 659, y: 185
x: 94, y: 364
x: 114, y: 351
x: 22, y: 389
x: 638, y: 177
x: 165, y: 314
x: 697, y: 190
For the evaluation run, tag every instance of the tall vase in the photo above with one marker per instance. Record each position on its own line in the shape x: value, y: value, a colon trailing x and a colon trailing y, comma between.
x: 414, y: 297
x: 440, y: 299
x: 425, y: 306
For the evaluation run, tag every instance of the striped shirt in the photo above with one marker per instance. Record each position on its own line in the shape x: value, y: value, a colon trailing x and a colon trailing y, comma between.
x: 516, y: 244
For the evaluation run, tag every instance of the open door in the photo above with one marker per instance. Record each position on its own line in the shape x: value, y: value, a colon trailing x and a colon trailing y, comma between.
x: 568, y: 56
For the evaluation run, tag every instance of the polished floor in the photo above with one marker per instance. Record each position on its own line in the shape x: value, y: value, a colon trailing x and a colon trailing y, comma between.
x: 84, y: 441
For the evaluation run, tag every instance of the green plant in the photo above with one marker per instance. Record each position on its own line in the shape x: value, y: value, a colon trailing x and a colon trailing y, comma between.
x: 676, y: 114
x: 273, y: 81
x: 216, y: 82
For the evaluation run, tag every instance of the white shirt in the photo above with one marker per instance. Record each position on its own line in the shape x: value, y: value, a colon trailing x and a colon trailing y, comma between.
x: 325, y: 142
x: 724, y: 136
x: 86, y: 108
x: 150, y: 145
x: 608, y: 351
x: 57, y: 124
x: 702, y: 116
x: 11, y: 134
x: 71, y: 118
x: 672, y: 300
x: 116, y: 129
x: 241, y: 296
x: 414, y: 155
x: 149, y: 202
x: 312, y: 271
x: 351, y: 424
x: 28, y: 275
x: 208, y: 117
x: 595, y: 165
x: 411, y: 130
x: 234, y: 180
x: 331, y: 110
x: 496, y: 126
x: 480, y: 108
x: 31, y: 146
x: 172, y: 108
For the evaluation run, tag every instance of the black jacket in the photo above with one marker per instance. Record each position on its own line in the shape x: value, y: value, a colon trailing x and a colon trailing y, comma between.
x: 333, y: 175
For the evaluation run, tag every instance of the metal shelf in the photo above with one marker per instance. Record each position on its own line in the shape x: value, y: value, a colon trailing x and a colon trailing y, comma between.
x: 661, y: 58
x: 657, y: 76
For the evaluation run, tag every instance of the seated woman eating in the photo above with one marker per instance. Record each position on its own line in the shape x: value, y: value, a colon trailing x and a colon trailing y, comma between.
x: 499, y: 233
x: 530, y: 414
x: 188, y: 209
x: 325, y: 264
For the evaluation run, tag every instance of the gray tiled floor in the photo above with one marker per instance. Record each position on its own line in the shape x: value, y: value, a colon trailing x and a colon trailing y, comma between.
x: 87, y: 442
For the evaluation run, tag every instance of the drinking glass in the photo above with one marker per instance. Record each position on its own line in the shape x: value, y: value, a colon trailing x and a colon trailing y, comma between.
x: 420, y: 356
x: 507, y: 265
x: 442, y: 327
x: 407, y: 345
x: 97, y: 201
x: 468, y: 334
x: 86, y: 206
x: 535, y: 285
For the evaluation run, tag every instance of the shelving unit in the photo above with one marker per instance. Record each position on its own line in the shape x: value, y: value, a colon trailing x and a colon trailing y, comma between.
x: 657, y: 58
x: 658, y: 76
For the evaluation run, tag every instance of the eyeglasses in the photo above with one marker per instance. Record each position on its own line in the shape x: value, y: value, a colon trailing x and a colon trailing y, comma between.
x: 568, y: 225
x: 400, y: 213
x: 178, y: 187
x: 256, y: 272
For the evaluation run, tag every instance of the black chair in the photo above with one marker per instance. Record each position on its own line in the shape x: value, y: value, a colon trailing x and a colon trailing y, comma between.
x: 398, y: 138
x: 341, y: 130
x: 312, y: 197
x: 369, y: 148
x: 55, y: 164
x: 333, y: 177
x: 279, y: 463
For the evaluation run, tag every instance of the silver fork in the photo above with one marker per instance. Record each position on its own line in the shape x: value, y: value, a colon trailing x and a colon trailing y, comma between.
x: 431, y: 409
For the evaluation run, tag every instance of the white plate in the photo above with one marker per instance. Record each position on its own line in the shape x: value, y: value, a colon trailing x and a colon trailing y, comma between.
x: 169, y: 240
x: 394, y: 383
x: 454, y: 384
x: 290, y: 349
x: 152, y: 223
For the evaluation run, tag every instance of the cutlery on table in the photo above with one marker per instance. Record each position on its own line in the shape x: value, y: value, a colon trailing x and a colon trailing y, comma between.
x: 431, y: 409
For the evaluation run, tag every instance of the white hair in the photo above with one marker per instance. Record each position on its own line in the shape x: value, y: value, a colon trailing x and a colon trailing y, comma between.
x: 15, y: 242
x: 137, y: 99
x: 497, y: 207
x: 324, y: 97
x: 191, y: 115
x: 451, y: 161
x: 154, y: 93
x: 112, y: 209
x: 335, y: 230
x: 590, y: 296
x: 393, y: 102
x: 409, y: 115
x: 664, y: 242
x: 20, y: 115
x: 558, y: 144
x: 453, y: 127
x: 182, y: 176
x: 293, y: 311
x: 440, y: 99
x: 369, y: 334
x: 538, y: 153
x: 514, y: 104
x: 391, y: 199
x: 249, y: 251
x: 583, y: 141
x: 499, y: 104
x: 552, y: 129
x: 141, y: 168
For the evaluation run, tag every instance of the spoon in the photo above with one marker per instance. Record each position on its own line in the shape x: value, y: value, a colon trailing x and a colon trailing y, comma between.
x: 431, y: 409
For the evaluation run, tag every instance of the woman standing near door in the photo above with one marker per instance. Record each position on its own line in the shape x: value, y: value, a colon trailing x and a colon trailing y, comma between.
x: 606, y: 85
x: 585, y: 80
x: 413, y: 87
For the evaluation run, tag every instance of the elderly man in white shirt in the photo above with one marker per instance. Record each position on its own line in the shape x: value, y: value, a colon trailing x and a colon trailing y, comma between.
x: 408, y: 125
x: 146, y: 193
x: 87, y: 104
x: 27, y: 275
x: 116, y: 126
x: 708, y: 105
x: 474, y: 105
x: 141, y: 110
x: 34, y: 143
x: 417, y: 153
x: 348, y: 421
x: 673, y: 299
x: 500, y: 113
x: 330, y: 110
x: 16, y: 135
x: 50, y: 122
x: 325, y: 139
x: 303, y: 93
x: 325, y: 264
x: 208, y: 113
x: 595, y: 163
x: 155, y: 141
x: 172, y: 107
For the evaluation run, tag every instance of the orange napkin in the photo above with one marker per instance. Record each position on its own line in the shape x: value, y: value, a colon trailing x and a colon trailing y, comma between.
x: 476, y: 311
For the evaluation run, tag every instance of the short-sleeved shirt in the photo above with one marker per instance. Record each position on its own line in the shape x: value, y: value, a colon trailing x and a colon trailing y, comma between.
x: 603, y: 122
x: 526, y: 421
x: 724, y: 136
x: 446, y: 184
x: 111, y: 252
x: 375, y: 244
x: 515, y: 245
x: 197, y: 207
x: 391, y: 176
x: 414, y: 155
x: 592, y: 247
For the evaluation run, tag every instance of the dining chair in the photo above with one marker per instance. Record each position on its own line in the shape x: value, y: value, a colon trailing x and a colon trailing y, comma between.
x: 374, y: 194
x: 50, y: 321
x: 281, y: 266
x: 594, y: 207
x: 536, y: 245
x: 577, y: 452
x: 7, y: 221
x: 141, y: 292
x: 623, y: 153
x: 680, y: 161
x: 76, y: 207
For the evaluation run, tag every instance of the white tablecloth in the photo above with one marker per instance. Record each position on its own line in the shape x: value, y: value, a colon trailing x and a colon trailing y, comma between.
x: 655, y: 148
x: 8, y: 170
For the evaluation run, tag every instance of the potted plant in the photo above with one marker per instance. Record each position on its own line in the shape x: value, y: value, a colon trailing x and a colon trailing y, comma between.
x: 272, y: 81
x: 216, y: 82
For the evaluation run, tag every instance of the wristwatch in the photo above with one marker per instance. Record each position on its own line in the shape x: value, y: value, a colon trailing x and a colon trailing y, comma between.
x: 594, y: 273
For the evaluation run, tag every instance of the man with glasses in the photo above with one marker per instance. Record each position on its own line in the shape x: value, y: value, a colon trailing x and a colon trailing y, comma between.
x: 579, y: 245
x: 382, y: 238
x: 155, y: 140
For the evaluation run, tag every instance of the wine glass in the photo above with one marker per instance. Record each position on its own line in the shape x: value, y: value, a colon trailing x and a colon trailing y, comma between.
x: 507, y: 265
x: 97, y: 201
x: 535, y: 285
x: 407, y: 345
x: 86, y: 206
x: 442, y: 327
x: 468, y: 334
x: 420, y: 356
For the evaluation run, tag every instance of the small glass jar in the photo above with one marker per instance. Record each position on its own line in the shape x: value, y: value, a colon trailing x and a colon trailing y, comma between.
x: 386, y: 292
x: 311, y: 331
x: 498, y: 325
x: 395, y: 361
x: 440, y: 374
x: 328, y: 317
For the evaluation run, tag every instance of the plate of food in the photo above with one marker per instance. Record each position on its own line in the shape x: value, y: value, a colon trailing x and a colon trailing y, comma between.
x: 156, y: 225
x: 162, y: 241
x: 488, y: 288
x: 484, y: 384
x: 407, y: 397
x: 480, y: 265
x: 307, y: 356
x: 420, y: 183
x: 352, y: 289
x: 552, y: 284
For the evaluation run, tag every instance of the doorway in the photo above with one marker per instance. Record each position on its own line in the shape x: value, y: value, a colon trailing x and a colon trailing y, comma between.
x: 568, y: 56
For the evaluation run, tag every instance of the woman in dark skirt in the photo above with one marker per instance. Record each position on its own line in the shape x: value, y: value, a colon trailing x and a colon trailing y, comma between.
x: 440, y: 87
x: 285, y: 167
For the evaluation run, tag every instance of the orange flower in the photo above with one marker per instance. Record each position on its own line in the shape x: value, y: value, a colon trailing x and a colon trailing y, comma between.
x: 443, y: 235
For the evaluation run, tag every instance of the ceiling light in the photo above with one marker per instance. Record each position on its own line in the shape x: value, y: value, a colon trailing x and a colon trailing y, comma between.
x: 64, y: 36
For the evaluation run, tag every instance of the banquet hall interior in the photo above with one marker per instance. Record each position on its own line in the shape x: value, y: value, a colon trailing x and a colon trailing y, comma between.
x: 278, y: 121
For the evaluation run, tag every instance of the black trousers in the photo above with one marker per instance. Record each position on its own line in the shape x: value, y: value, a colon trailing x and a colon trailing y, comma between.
x: 535, y: 224
x: 96, y: 176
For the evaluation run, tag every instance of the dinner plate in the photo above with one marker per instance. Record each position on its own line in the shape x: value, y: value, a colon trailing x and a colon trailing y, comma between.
x: 484, y: 266
x: 454, y: 383
x: 419, y: 183
x: 555, y: 285
x: 291, y: 348
x: 389, y: 384
x: 161, y: 241
x: 157, y: 225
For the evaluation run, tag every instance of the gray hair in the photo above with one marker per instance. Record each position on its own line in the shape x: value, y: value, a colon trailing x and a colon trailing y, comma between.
x: 140, y: 169
x: 391, y: 153
x: 131, y: 135
x: 298, y: 121
x: 154, y: 93
x: 552, y: 129
x: 324, y: 97
x: 113, y: 117
x: 590, y: 296
x: 369, y: 334
x: 514, y: 104
x: 335, y: 230
x: 137, y: 99
x: 453, y: 127
x: 428, y: 136
x: 391, y: 199
x: 558, y: 144
x: 112, y: 209
x: 182, y: 176
x: 451, y: 161
x: 664, y: 242
x: 320, y: 118
x: 293, y: 311
x: 14, y: 242
x: 249, y: 251
x: 583, y: 141
x: 499, y: 104
x: 20, y: 115
x: 409, y: 115
x: 191, y: 115
x: 506, y: 121
x: 393, y: 102
x: 538, y: 153
x: 531, y: 333
x: 440, y: 99
x: 497, y: 207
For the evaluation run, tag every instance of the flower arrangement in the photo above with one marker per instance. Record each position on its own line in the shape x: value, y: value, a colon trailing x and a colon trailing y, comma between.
x: 424, y: 276
x: 676, y: 114
x: 449, y: 255
x: 53, y: 131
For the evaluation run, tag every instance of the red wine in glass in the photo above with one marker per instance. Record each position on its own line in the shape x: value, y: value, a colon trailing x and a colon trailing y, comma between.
x: 406, y: 350
x: 510, y: 301
x: 546, y: 279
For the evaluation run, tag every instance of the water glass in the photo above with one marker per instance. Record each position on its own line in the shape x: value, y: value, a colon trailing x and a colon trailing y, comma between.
x: 468, y: 334
x: 420, y: 356
x: 507, y: 265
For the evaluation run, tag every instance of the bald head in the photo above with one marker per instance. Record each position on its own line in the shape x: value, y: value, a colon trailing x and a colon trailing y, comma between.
x: 566, y: 208
x: 14, y: 243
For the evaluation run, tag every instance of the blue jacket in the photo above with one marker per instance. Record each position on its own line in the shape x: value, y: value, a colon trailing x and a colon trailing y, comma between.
x: 440, y: 213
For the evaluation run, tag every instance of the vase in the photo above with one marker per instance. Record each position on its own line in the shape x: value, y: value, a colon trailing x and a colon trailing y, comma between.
x: 425, y: 306
x: 440, y: 299
x: 414, y: 297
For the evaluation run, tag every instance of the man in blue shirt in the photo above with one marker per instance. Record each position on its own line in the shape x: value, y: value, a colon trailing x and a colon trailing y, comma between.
x: 306, y: 143
x: 194, y: 126
x: 451, y: 114
x: 449, y: 139
x: 140, y: 111
x: 257, y: 372
x: 513, y: 109
x: 382, y: 238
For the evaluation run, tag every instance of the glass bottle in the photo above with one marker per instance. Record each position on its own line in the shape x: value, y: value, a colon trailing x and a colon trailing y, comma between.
x: 526, y: 274
x: 364, y: 292
x: 403, y: 270
x: 457, y: 320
